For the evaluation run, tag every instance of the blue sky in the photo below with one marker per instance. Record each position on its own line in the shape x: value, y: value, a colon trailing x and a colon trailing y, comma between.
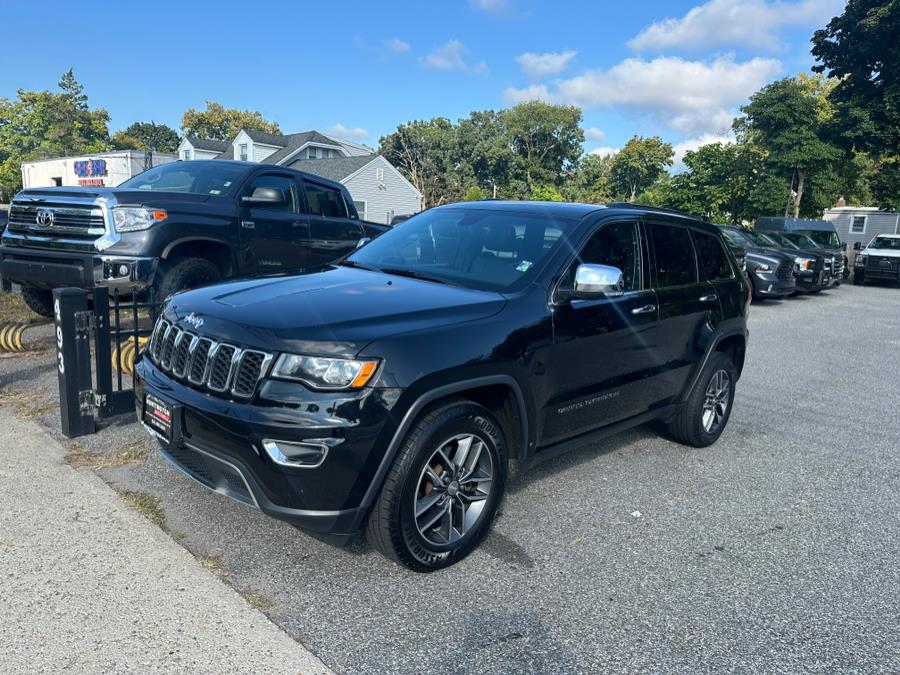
x: 677, y: 69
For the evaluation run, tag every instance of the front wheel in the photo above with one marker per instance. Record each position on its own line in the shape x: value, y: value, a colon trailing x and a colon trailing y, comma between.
x: 440, y: 496
x: 859, y: 278
x: 38, y: 301
x: 705, y: 414
x: 183, y: 274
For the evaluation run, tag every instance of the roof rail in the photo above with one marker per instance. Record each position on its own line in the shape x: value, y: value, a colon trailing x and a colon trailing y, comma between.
x: 674, y: 212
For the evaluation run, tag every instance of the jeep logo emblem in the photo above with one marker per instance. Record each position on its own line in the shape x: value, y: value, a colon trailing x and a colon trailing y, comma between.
x: 194, y: 320
x: 44, y: 217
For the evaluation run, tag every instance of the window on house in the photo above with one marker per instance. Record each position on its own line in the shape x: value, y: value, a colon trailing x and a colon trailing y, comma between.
x: 361, y: 209
x: 325, y: 201
x: 311, y: 153
x: 379, y: 173
x: 858, y: 225
x: 242, y: 149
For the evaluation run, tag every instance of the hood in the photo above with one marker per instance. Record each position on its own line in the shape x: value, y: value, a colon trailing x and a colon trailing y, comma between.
x: 338, y: 310
x: 881, y: 252
x: 768, y: 255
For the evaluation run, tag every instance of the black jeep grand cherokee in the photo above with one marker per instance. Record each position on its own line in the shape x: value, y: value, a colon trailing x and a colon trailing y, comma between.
x: 392, y: 390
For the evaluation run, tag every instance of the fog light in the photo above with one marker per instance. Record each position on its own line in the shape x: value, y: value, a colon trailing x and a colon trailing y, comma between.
x: 123, y: 270
x: 289, y: 453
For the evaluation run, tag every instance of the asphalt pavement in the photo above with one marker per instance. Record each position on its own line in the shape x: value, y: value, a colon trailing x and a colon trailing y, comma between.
x: 776, y: 550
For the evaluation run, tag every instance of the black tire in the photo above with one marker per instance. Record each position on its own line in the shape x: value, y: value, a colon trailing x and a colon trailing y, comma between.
x: 393, y: 527
x: 689, y: 425
x: 859, y: 278
x: 182, y: 274
x: 39, y: 301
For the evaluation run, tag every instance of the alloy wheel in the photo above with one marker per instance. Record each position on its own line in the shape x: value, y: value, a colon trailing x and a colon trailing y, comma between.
x: 452, y: 489
x: 716, y: 401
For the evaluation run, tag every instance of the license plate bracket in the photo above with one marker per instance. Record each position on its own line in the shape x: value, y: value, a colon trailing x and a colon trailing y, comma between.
x: 162, y: 416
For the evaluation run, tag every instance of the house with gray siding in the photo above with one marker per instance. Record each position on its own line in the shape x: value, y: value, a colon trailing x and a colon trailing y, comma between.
x: 861, y: 224
x: 379, y: 190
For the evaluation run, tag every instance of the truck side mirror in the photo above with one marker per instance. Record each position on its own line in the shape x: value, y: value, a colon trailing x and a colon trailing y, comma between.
x: 857, y: 246
x: 598, y: 281
x: 844, y: 245
x: 264, y: 196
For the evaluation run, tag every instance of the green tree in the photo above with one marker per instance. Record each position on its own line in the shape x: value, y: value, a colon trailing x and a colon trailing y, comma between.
x: 545, y: 193
x: 425, y: 152
x: 146, y: 136
x: 43, y: 124
x: 484, y: 149
x: 638, y: 164
x: 590, y: 181
x: 546, y: 140
x: 222, y: 124
x: 789, y: 119
x: 473, y: 194
x: 860, y: 50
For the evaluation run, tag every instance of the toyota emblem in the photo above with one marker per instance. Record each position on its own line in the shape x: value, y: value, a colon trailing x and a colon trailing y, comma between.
x: 44, y: 217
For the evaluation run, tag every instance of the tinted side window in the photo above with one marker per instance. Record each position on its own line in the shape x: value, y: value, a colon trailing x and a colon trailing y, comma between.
x: 711, y: 257
x: 284, y: 184
x: 617, y: 245
x: 675, y: 264
x: 323, y: 201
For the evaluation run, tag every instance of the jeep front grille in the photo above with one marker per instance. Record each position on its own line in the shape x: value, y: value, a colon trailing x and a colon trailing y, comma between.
x: 203, y: 363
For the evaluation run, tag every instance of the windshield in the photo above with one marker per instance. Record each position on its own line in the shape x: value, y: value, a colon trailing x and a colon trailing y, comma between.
x: 824, y: 238
x: 780, y: 240
x: 200, y: 178
x: 759, y: 239
x: 736, y: 239
x: 802, y: 240
x: 477, y: 248
x: 886, y: 242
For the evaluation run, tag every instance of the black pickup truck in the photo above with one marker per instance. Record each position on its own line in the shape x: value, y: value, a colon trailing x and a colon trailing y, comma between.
x: 177, y: 226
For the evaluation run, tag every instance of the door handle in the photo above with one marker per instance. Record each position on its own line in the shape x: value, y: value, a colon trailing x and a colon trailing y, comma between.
x: 646, y: 309
x: 712, y: 297
x: 300, y: 223
x: 248, y: 224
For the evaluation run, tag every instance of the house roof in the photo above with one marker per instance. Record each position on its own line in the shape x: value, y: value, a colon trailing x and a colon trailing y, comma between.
x: 334, y: 168
x: 287, y: 144
x: 266, y: 139
x: 208, y: 144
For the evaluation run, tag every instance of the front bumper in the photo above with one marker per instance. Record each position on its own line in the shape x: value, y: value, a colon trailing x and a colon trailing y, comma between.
x: 218, y: 442
x: 48, y: 269
x: 813, y: 280
x: 770, y: 285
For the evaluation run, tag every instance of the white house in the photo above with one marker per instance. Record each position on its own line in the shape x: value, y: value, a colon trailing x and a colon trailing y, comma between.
x: 378, y: 189
x: 101, y: 169
x: 860, y: 224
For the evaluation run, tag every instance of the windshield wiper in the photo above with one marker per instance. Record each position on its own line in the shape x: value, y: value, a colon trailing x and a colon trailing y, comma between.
x: 357, y: 265
x: 413, y: 274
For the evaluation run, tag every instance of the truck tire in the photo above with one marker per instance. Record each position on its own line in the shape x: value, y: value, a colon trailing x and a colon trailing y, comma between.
x: 39, y: 301
x: 182, y: 274
x: 859, y: 278
x: 440, y: 496
x: 705, y: 414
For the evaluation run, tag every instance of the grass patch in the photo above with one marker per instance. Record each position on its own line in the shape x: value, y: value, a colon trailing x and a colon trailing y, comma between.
x: 257, y: 600
x: 13, y: 308
x: 214, y: 564
x: 27, y: 404
x: 177, y: 536
x: 80, y: 457
x: 146, y: 503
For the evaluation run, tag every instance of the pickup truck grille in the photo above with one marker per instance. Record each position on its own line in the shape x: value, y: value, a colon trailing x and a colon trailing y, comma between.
x: 54, y: 218
x: 885, y: 267
x: 785, y: 269
x: 202, y: 363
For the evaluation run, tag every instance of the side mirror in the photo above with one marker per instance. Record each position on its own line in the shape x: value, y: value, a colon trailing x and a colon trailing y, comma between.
x: 264, y: 195
x: 857, y: 246
x: 598, y: 281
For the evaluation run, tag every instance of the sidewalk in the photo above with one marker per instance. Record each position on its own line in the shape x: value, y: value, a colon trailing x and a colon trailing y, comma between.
x: 89, y: 585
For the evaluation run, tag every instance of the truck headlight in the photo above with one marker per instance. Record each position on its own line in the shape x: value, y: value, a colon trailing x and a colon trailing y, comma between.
x: 133, y: 219
x: 318, y: 372
x: 805, y: 264
x: 761, y: 268
x: 860, y: 260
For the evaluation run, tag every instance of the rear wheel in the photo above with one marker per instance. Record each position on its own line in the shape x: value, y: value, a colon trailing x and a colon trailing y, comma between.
x: 705, y: 414
x: 440, y: 496
x: 39, y: 301
x: 182, y: 274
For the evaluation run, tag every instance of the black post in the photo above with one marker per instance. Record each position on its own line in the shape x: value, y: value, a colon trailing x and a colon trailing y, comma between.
x: 102, y: 353
x: 73, y: 361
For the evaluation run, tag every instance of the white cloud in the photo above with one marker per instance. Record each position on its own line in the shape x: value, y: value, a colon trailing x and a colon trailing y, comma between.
x: 533, y: 92
x: 537, y: 66
x: 689, y: 96
x: 452, y: 56
x: 397, y: 46
x: 594, y: 134
x: 354, y: 133
x: 604, y: 151
x: 691, y: 144
x: 754, y: 23
x: 490, y: 6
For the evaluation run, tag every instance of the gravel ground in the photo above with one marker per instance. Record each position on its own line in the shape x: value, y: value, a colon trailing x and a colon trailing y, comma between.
x: 775, y: 550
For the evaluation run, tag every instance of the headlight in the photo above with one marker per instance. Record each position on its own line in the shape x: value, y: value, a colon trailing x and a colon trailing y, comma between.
x: 762, y: 267
x: 318, y: 372
x: 860, y: 260
x: 132, y: 219
x: 805, y: 264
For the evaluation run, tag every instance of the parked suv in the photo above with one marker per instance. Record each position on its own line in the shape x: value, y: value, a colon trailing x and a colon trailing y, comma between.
x: 880, y: 260
x: 770, y: 271
x: 177, y: 226
x: 393, y: 390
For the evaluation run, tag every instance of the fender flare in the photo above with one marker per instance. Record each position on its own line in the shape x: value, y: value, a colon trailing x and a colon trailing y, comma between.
x: 413, y: 412
x: 710, y: 348
x: 189, y: 240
